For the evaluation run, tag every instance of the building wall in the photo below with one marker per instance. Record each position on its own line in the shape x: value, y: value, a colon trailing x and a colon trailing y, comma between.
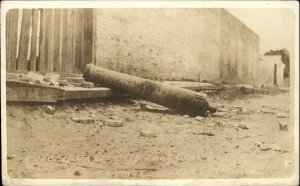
x: 163, y: 44
x: 239, y: 50
x: 176, y: 44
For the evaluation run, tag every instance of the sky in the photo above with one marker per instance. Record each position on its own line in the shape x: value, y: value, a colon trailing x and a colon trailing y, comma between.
x: 275, y: 27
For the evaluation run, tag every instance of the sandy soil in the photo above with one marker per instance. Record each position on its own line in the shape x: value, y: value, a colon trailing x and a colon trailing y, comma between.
x: 42, y: 145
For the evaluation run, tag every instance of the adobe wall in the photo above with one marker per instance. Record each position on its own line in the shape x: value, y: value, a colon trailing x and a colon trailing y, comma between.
x: 176, y: 44
x: 162, y: 44
x: 239, y: 50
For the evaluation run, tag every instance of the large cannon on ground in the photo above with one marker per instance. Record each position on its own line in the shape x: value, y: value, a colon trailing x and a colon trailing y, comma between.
x: 182, y: 100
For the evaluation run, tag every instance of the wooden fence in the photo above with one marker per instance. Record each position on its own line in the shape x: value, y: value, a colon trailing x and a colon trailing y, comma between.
x: 49, y: 40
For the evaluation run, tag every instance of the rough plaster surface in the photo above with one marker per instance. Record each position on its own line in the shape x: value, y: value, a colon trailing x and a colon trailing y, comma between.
x: 176, y: 44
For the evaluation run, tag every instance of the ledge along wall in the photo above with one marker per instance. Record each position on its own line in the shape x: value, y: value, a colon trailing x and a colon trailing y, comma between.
x: 49, y: 40
x: 176, y: 44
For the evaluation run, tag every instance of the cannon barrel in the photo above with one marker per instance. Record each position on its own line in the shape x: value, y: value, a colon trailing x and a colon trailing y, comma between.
x: 179, y: 99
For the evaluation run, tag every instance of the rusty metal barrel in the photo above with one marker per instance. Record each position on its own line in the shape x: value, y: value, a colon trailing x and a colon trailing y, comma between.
x: 181, y: 100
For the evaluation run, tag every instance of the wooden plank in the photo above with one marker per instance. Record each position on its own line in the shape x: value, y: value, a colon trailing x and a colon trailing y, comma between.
x: 56, y: 39
x: 38, y: 41
x: 20, y: 15
x: 11, y: 38
x: 60, y: 42
x: 8, y: 19
x: 64, y: 40
x: 28, y: 64
x: 71, y: 64
x: 42, y: 40
x: 24, y: 39
x: 48, y: 40
x: 51, y: 40
x: 67, y: 42
x: 68, y: 39
x: 20, y: 91
x: 34, y: 39
x: 79, y: 38
x: 94, y: 37
x: 88, y: 36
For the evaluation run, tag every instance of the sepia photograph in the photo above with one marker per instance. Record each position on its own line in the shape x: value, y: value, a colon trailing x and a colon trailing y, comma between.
x: 150, y: 93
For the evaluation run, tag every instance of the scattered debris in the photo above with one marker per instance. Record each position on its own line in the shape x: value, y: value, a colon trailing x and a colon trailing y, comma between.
x: 87, y: 84
x: 113, y: 123
x: 223, y: 110
x: 204, y: 133
x: 74, y: 79
x: 9, y: 157
x: 243, y: 137
x: 265, y: 148
x: 282, y: 115
x: 283, y: 126
x: 83, y: 120
x: 147, y: 133
x: 147, y: 106
x: 114, y: 117
x: 220, y: 114
x: 75, y: 84
x: 273, y: 147
x: 242, y: 126
x: 24, y: 79
x: 237, y: 108
x: 267, y: 111
x: 62, y: 82
x: 186, y: 116
x: 49, y: 109
x: 199, y: 118
x: 77, y: 173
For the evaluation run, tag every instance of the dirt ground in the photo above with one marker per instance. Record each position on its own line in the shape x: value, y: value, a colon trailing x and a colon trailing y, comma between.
x: 243, y: 141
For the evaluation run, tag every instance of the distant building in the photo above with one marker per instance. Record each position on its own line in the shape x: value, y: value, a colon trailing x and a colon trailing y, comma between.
x: 270, y: 71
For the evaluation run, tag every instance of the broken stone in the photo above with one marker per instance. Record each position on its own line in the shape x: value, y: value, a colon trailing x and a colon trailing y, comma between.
x: 113, y: 123
x: 219, y: 114
x: 9, y: 157
x: 237, y: 107
x: 87, y: 84
x: 242, y: 126
x: 199, y: 118
x: 147, y: 134
x: 46, y: 79
x: 74, y: 79
x: 185, y: 116
x: 283, y: 126
x: 273, y: 147
x: 114, y: 117
x: 267, y: 112
x: 83, y: 120
x: 49, y: 109
x: 24, y: 79
x: 77, y: 173
x: 223, y: 110
x: 282, y: 115
x: 75, y: 84
x: 38, y: 82
x: 204, y: 133
x: 62, y: 82
x: 235, y: 111
x: 154, y: 108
